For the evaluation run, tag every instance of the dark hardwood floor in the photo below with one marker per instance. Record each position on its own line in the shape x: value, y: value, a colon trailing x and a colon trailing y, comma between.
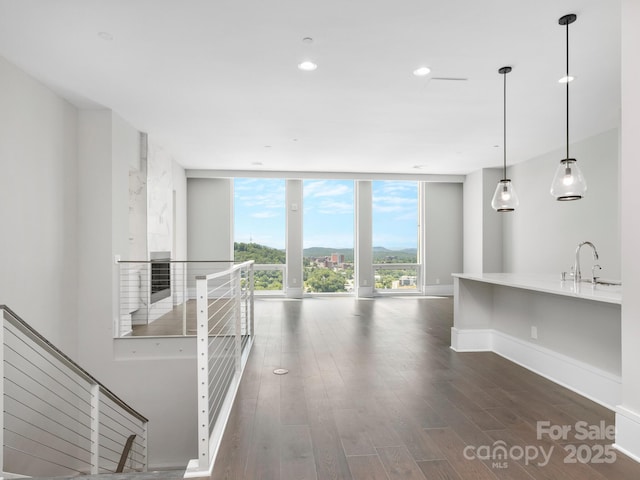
x: 375, y: 392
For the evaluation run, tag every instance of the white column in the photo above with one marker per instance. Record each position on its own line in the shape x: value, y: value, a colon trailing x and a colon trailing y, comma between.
x: 363, y: 254
x: 293, y: 276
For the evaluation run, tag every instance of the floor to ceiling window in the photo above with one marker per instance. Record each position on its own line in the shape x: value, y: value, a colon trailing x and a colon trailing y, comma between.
x: 395, y: 236
x: 328, y: 235
x: 259, y: 229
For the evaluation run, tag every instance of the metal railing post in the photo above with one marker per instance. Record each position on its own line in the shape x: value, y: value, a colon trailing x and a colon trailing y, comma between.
x: 203, y: 371
x: 237, y: 287
x: 251, y: 288
x: 145, y: 443
x: 2, y: 392
x: 184, y: 299
x: 95, y: 429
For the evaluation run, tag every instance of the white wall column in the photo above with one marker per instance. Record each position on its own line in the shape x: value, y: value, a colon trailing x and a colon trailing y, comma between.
x: 293, y: 276
x: 628, y: 413
x: 210, y: 218
x: 363, y: 246
x: 441, y: 223
x: 482, y: 225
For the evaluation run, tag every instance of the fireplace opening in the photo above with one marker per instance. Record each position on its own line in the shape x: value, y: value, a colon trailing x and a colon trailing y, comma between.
x: 160, y: 275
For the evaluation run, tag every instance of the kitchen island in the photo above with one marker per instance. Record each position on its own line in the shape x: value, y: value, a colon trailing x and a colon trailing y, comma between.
x: 567, y: 332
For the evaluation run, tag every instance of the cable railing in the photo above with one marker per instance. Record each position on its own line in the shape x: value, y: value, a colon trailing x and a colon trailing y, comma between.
x: 57, y: 419
x: 397, y: 277
x: 157, y: 297
x: 269, y: 278
x: 225, y: 328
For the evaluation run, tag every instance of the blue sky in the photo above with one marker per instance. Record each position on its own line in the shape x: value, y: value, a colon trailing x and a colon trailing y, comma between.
x: 328, y: 213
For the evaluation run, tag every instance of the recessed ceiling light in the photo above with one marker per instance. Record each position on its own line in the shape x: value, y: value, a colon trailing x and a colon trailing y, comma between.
x: 422, y: 71
x: 105, y: 36
x: 256, y: 164
x: 307, y: 66
x: 307, y: 40
x: 566, y: 79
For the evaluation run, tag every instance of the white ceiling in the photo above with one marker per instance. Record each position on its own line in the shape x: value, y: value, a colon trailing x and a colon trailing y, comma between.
x: 216, y: 82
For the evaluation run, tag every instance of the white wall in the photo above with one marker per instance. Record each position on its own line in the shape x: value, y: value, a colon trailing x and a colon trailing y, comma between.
x: 210, y: 218
x: 542, y: 234
x: 628, y: 414
x: 492, y: 221
x: 180, y: 219
x: 482, y: 226
x: 443, y: 232
x: 472, y: 219
x: 159, y: 385
x: 38, y: 206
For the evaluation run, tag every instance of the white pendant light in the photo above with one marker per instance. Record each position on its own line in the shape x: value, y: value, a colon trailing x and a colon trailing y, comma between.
x: 504, y: 198
x: 568, y: 183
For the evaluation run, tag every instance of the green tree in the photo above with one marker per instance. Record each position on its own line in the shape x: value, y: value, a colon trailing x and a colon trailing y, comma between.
x: 325, y: 280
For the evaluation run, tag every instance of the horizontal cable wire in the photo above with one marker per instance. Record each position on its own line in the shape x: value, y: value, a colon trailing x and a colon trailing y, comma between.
x: 30, y: 377
x: 42, y: 415
x: 43, y: 459
x: 36, y: 427
x: 221, y: 374
x: 223, y: 344
x: 82, y: 386
x: 221, y: 388
x: 83, y: 460
x: 73, y: 419
x: 104, y: 414
x: 218, y: 400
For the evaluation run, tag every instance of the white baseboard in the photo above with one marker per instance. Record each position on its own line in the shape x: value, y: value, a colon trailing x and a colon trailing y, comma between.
x: 602, y: 387
x: 365, y: 292
x: 479, y: 340
x: 439, y: 290
x: 294, y: 292
x: 627, y: 432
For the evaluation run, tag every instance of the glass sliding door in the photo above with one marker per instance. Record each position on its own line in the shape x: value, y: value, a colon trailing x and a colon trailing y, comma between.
x: 396, y: 236
x: 259, y: 229
x: 328, y: 236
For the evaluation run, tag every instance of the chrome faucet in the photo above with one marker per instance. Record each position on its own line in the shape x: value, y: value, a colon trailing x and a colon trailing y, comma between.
x: 577, y: 274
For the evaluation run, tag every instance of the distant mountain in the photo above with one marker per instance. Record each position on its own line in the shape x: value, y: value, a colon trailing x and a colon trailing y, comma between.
x: 380, y: 254
x: 264, y: 254
x: 413, y: 251
x: 318, y: 252
x: 384, y: 255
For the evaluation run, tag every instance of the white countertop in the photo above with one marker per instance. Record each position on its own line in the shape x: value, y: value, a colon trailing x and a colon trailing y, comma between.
x: 550, y: 283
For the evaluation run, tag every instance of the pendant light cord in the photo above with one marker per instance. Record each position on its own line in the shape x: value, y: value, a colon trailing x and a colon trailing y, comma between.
x: 504, y: 129
x: 567, y: 77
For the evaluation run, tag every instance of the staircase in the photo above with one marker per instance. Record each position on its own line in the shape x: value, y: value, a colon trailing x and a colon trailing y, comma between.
x: 59, y: 421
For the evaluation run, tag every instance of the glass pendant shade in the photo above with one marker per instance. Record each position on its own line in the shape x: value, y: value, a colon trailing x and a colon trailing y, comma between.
x: 505, y: 198
x: 568, y: 183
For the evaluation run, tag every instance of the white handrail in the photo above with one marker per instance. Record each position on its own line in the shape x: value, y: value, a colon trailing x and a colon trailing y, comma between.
x: 224, y: 305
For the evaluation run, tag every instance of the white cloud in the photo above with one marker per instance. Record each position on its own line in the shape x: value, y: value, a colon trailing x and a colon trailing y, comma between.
x: 324, y: 188
x: 335, y: 208
x: 265, y: 215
